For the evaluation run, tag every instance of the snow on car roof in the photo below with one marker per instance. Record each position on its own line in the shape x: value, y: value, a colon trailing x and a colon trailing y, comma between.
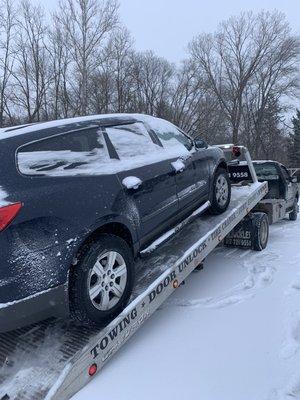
x: 28, y: 128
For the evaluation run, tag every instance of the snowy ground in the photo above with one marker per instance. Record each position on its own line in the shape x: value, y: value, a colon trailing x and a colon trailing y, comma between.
x: 232, y: 332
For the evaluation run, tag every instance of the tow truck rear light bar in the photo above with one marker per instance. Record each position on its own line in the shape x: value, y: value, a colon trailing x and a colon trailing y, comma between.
x: 236, y: 151
x: 240, y: 152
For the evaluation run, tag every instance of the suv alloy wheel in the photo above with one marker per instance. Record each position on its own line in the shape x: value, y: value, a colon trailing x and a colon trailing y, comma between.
x: 102, y: 281
x: 221, y: 192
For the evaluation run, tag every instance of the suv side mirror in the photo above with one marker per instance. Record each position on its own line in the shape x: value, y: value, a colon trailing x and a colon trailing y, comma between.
x: 200, y: 144
x: 294, y: 179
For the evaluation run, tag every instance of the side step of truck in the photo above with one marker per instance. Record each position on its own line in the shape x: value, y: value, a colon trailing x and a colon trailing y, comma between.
x: 53, y: 360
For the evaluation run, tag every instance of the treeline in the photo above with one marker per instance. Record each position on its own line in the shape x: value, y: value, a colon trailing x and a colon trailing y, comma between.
x: 235, y: 84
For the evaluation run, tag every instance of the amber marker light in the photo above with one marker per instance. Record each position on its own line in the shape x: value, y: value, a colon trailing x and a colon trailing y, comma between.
x: 175, y: 284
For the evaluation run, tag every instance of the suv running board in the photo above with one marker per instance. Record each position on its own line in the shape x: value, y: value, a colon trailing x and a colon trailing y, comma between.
x: 166, y: 236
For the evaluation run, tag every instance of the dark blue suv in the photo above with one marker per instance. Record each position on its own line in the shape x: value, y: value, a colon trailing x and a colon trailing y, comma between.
x: 81, y: 198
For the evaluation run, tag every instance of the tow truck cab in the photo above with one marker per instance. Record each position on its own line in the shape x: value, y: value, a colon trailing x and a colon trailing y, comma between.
x: 283, y: 195
x: 281, y: 184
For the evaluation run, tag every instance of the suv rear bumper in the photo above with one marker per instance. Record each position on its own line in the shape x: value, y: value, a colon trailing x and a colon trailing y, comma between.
x: 50, y: 303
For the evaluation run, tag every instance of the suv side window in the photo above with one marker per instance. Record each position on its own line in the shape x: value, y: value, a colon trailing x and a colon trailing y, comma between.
x: 62, y: 155
x: 133, y: 140
x: 171, y: 137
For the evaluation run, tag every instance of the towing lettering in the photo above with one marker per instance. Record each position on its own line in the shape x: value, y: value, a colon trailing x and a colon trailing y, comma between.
x: 113, y: 334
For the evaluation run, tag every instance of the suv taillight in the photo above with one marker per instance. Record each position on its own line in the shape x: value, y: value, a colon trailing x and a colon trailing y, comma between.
x: 8, y: 213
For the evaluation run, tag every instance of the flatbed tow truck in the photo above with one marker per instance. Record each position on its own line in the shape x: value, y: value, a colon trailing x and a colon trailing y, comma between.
x: 54, y: 359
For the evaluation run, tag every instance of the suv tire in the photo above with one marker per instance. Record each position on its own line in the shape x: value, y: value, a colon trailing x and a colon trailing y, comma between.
x: 221, y: 192
x: 102, y: 281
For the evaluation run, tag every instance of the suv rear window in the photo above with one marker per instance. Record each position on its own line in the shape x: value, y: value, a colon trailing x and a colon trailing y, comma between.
x: 266, y: 171
x: 66, y: 154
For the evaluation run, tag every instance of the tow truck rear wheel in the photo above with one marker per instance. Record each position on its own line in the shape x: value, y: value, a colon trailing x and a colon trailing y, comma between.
x: 261, y: 230
x: 294, y: 214
x: 101, y: 283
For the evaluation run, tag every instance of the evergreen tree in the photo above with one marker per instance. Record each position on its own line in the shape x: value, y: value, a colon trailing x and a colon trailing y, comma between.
x: 295, y: 153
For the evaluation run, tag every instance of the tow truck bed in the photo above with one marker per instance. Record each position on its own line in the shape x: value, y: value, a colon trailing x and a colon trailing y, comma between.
x: 55, y: 359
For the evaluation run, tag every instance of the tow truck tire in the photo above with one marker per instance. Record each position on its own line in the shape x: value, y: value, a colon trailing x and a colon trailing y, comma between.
x: 294, y: 214
x: 105, y: 266
x: 220, y: 192
x: 261, y: 231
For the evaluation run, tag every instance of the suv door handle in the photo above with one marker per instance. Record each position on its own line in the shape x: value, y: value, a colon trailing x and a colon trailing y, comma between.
x: 131, y: 182
x: 178, y: 166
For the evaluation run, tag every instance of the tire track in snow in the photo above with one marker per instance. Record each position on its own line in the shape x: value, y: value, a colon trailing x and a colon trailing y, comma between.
x: 260, y: 274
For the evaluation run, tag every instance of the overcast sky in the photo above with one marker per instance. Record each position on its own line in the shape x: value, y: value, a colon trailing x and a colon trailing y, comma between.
x: 166, y: 26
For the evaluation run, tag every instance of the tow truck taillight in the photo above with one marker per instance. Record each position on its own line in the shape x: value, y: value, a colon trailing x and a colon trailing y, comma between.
x: 236, y: 151
x: 8, y: 214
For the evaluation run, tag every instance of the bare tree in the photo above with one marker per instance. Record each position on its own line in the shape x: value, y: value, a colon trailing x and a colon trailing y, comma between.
x: 31, y: 72
x: 119, y: 51
x: 152, y: 76
x: 276, y: 78
x: 232, y: 56
x: 86, y: 24
x: 60, y: 61
x: 186, y: 95
x: 7, y: 25
x: 112, y: 82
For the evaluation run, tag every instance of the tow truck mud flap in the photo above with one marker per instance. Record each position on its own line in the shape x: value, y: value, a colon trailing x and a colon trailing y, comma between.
x: 64, y: 358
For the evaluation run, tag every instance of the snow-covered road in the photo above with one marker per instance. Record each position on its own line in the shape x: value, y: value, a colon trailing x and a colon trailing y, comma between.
x: 232, y: 332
